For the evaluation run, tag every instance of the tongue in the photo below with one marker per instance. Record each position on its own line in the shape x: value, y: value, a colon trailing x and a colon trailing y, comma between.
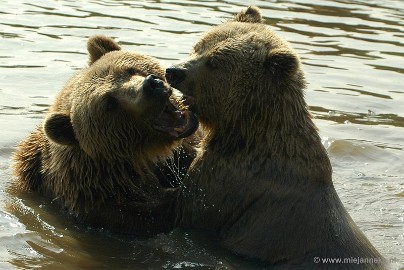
x: 169, y: 119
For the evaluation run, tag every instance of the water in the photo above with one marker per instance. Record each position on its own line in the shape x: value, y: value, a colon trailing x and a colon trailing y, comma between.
x: 353, y: 55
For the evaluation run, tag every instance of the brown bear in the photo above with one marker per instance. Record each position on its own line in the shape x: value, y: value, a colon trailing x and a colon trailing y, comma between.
x: 97, y: 151
x: 263, y: 178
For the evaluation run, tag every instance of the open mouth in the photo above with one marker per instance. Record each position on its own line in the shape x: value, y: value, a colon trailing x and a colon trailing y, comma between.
x: 175, y: 122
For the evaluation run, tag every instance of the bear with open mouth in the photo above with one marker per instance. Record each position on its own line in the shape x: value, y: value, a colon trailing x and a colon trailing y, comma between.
x: 99, y: 151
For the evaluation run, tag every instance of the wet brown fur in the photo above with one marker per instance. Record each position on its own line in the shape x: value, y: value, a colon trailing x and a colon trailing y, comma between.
x: 263, y: 179
x: 97, y: 159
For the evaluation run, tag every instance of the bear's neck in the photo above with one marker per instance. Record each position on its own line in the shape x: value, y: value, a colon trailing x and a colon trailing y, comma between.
x: 286, y: 138
x: 275, y: 135
x: 92, y: 181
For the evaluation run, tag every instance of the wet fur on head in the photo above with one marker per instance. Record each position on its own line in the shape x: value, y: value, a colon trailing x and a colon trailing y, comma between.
x: 236, y: 72
x: 96, y: 153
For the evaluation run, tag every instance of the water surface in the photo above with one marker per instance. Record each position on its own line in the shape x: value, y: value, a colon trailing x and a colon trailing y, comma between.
x: 353, y: 55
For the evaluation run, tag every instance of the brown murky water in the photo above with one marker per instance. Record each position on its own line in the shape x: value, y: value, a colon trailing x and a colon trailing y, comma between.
x: 353, y: 55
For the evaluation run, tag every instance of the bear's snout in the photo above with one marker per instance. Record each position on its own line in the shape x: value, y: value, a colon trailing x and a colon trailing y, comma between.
x: 175, y: 75
x: 153, y: 86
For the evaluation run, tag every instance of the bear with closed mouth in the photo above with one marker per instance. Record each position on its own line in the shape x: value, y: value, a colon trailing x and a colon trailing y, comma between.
x: 263, y: 180
x: 99, y: 151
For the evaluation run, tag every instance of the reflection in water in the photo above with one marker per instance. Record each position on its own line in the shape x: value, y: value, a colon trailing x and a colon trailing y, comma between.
x: 368, y: 118
x: 362, y: 92
x: 352, y: 51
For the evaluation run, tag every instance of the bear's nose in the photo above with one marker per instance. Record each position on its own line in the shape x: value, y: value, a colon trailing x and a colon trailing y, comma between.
x: 152, y: 85
x: 175, y: 75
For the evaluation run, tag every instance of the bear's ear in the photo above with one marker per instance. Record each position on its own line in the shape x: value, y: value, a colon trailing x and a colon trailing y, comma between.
x: 282, y: 62
x: 97, y: 46
x: 252, y: 15
x: 59, y: 129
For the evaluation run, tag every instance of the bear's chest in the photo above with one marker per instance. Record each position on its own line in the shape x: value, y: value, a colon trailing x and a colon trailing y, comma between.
x: 216, y: 192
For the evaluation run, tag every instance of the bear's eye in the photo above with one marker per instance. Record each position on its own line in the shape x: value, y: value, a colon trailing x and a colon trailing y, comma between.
x: 211, y: 63
x: 132, y: 71
x: 110, y: 103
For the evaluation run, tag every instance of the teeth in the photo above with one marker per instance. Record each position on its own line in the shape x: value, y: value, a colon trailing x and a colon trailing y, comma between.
x: 183, y: 127
x: 180, y: 124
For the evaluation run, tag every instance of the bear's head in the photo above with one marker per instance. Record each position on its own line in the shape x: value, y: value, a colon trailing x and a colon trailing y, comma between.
x: 120, y: 106
x: 240, y: 74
